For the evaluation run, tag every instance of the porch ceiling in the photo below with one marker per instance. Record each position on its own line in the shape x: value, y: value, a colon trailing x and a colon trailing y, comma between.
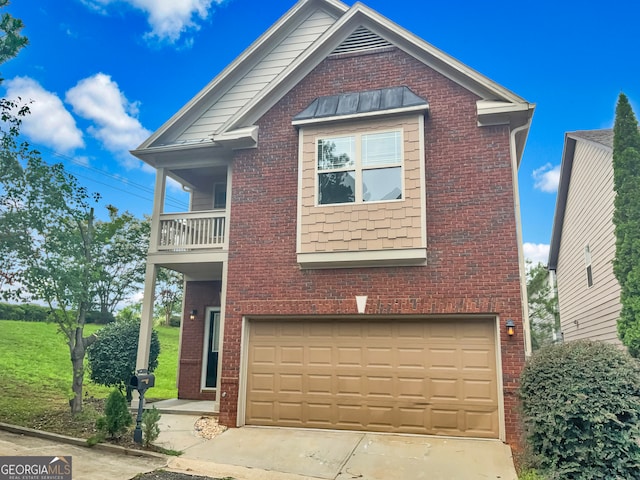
x: 197, y: 271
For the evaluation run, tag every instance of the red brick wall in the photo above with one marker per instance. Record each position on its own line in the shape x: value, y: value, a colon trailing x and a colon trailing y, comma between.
x: 198, y: 296
x: 471, y: 232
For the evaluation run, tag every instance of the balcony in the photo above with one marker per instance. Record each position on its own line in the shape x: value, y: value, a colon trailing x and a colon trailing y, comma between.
x: 180, y: 232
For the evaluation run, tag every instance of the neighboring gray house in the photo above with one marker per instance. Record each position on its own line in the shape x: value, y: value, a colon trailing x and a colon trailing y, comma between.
x: 583, y: 241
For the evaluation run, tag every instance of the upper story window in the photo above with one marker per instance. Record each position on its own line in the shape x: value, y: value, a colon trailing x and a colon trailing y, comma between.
x: 363, y: 167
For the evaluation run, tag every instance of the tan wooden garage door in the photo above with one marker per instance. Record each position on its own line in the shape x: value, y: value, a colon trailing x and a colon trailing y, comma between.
x: 427, y: 376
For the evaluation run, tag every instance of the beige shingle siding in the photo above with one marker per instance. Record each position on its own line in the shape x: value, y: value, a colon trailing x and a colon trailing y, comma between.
x: 363, y: 226
x: 260, y: 76
x: 589, y: 312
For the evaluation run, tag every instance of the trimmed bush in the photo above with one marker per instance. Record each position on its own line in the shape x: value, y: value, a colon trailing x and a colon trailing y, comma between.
x: 581, y: 408
x: 112, y: 358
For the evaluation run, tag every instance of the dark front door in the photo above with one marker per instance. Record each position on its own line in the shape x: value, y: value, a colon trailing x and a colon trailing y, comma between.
x: 213, y: 342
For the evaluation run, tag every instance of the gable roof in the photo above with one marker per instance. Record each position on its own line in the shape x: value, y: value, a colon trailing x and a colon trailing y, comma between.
x: 603, y: 139
x: 289, y: 50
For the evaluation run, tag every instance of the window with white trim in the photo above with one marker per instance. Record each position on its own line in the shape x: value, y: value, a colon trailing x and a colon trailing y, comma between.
x: 363, y: 167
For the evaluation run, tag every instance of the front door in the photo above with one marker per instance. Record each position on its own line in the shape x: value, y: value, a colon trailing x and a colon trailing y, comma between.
x: 212, y: 347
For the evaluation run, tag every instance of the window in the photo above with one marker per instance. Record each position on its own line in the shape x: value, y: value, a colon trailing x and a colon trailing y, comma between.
x: 587, y: 261
x: 219, y: 195
x: 360, y: 168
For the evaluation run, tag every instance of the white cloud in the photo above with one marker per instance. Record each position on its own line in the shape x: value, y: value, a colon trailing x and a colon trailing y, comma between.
x: 99, y: 100
x: 49, y: 122
x: 536, y: 252
x: 168, y: 19
x: 546, y: 178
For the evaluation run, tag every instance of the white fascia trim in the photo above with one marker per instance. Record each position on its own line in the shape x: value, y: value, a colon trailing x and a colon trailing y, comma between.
x: 357, y: 116
x: 264, y: 41
x: 369, y: 258
x: 492, y: 112
x: 237, y: 139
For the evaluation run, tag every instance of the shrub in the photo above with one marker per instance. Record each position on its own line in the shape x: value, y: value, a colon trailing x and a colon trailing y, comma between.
x: 116, y: 416
x: 112, y: 358
x: 581, y: 408
x: 101, y: 318
x: 150, y: 428
x: 174, y: 321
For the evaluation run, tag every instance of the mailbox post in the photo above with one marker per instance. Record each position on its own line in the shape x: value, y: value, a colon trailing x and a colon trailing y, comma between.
x: 141, y: 381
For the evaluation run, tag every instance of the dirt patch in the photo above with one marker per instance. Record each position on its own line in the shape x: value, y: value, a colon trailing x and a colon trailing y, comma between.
x: 164, y: 475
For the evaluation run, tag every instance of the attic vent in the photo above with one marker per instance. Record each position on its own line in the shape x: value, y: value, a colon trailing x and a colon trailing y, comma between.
x: 361, y: 40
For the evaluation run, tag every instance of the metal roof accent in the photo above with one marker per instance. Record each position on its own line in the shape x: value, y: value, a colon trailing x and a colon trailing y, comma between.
x: 361, y: 40
x: 348, y: 104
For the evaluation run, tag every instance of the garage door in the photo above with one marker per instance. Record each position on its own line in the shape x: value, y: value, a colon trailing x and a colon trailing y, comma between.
x: 428, y: 376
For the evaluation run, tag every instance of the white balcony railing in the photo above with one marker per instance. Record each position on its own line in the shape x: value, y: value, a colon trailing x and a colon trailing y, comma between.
x: 192, y: 230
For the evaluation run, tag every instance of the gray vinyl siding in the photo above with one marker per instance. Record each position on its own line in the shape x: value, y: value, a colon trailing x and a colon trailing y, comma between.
x: 202, y: 200
x: 589, y: 312
x: 259, y: 77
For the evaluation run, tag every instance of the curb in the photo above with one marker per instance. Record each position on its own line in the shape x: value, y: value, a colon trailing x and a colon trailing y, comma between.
x: 80, y: 442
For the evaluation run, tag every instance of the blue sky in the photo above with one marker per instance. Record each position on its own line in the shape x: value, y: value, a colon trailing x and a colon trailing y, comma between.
x: 104, y: 74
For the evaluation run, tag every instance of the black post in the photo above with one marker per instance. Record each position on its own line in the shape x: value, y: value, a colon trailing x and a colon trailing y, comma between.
x: 137, y: 433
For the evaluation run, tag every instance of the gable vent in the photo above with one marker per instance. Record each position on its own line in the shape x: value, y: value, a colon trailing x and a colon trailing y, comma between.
x: 361, y: 40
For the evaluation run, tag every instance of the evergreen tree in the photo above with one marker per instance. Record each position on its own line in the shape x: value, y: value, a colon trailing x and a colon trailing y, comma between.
x: 626, y: 219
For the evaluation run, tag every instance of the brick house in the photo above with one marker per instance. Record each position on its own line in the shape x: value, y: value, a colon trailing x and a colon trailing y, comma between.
x: 352, y: 251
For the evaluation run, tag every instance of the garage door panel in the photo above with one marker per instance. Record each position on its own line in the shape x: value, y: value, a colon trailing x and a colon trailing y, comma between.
x: 443, y: 358
x: 379, y: 357
x: 408, y: 357
x: 349, y: 356
x: 380, y: 387
x: 264, y: 355
x: 291, y: 355
x: 411, y: 389
x: 396, y: 376
x: 320, y: 356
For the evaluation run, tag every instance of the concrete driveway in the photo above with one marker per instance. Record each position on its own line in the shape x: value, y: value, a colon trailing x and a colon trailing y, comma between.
x: 286, y: 453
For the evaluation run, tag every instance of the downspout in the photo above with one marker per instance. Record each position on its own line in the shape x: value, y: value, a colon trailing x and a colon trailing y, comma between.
x: 516, y: 201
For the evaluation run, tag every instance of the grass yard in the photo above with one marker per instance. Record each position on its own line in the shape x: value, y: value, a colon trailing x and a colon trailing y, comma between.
x: 35, y: 375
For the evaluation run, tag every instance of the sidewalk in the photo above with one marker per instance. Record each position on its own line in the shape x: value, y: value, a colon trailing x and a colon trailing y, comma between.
x: 87, y: 463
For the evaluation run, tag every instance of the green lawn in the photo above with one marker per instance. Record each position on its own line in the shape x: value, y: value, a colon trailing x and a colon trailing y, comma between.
x: 35, y: 372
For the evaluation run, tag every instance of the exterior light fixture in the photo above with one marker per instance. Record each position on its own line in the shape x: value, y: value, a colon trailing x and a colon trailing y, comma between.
x: 510, y: 327
x: 192, y: 315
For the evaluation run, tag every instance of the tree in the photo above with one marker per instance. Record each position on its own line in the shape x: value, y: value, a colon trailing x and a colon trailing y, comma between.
x: 542, y: 305
x: 123, y: 244
x: 626, y: 219
x: 169, y: 293
x: 47, y: 220
x: 11, y: 42
x: 112, y: 358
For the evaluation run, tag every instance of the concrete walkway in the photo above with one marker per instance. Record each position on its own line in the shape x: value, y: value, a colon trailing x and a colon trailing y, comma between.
x: 262, y: 453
